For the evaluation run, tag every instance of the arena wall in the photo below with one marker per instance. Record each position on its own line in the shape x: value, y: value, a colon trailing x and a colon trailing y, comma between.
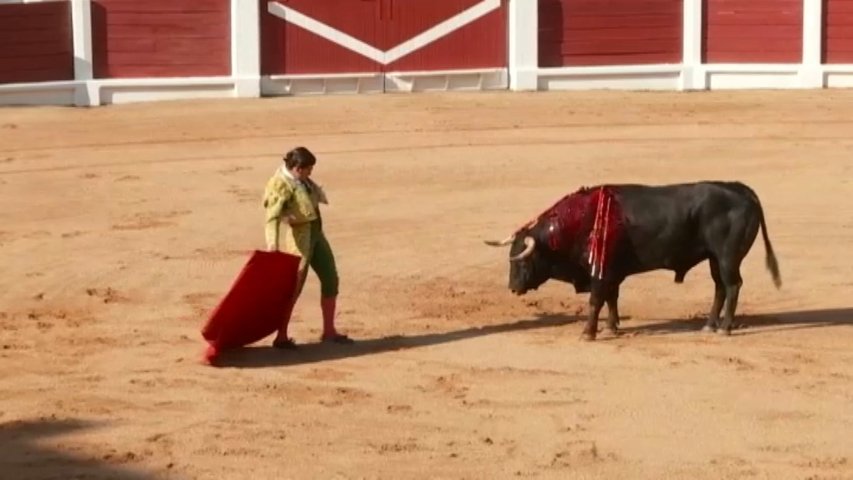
x: 95, y: 52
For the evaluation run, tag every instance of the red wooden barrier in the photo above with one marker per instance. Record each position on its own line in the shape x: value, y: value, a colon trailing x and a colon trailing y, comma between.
x: 838, y: 31
x: 480, y: 44
x: 37, y: 44
x: 286, y: 48
x: 615, y: 32
x: 161, y: 38
x: 381, y: 25
x: 753, y: 31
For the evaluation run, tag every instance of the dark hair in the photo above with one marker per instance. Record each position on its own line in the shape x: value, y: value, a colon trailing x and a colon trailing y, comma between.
x: 299, y: 157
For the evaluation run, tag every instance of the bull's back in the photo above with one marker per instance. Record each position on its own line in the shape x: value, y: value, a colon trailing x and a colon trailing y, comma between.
x: 667, y: 226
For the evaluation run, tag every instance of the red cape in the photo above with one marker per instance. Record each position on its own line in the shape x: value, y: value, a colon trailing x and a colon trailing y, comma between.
x: 256, y: 303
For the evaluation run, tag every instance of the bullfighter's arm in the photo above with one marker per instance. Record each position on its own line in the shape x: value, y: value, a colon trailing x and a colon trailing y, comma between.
x: 276, y: 195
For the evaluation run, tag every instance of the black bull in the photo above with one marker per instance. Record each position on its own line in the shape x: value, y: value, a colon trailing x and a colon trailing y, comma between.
x: 672, y: 227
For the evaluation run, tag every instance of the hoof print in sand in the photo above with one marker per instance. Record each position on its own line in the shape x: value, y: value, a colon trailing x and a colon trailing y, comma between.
x: 148, y: 220
x: 106, y: 295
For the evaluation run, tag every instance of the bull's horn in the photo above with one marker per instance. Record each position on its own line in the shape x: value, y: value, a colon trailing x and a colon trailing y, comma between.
x: 502, y: 243
x: 530, y: 244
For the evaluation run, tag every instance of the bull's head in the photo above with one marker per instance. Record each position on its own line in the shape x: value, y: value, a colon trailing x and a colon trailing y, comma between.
x: 528, y: 265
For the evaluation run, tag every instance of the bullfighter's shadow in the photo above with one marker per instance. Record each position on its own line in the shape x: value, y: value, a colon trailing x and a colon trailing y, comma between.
x: 266, y: 356
x: 751, y: 324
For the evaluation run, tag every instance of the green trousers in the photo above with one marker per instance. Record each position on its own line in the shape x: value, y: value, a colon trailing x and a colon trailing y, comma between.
x: 322, y: 261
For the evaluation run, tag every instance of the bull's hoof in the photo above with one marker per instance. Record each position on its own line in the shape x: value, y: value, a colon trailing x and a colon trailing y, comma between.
x: 588, y: 337
x: 709, y: 329
x: 724, y: 332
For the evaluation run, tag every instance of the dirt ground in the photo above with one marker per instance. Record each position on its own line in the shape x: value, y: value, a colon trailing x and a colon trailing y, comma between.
x: 121, y: 228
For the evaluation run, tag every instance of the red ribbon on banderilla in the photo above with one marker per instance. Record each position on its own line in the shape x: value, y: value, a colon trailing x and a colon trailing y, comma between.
x: 598, y: 235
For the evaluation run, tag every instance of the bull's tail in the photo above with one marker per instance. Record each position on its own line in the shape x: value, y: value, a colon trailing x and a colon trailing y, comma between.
x: 771, y: 262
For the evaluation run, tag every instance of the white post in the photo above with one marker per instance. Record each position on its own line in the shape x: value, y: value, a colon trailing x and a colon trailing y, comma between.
x: 523, y: 31
x: 811, y: 72
x: 86, y: 93
x: 692, y: 75
x: 246, y: 47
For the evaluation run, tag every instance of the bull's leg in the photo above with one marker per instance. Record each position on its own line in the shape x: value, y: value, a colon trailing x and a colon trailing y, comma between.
x: 719, y: 297
x: 731, y: 278
x: 596, y: 302
x: 613, y: 311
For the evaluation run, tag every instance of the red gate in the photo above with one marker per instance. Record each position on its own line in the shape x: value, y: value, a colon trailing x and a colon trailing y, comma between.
x: 36, y: 39
x: 753, y: 31
x: 576, y: 33
x: 160, y: 38
x: 374, y: 36
x: 837, y: 28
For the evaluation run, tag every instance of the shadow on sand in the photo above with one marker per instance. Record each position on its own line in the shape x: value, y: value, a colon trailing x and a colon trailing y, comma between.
x: 752, y: 324
x: 23, y: 454
x: 266, y: 356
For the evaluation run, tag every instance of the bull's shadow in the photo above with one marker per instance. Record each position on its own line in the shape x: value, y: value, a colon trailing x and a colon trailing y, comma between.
x: 23, y: 454
x: 266, y: 356
x: 751, y: 324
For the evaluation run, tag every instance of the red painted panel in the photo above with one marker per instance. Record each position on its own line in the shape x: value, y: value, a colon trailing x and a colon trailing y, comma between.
x: 479, y: 44
x: 382, y: 24
x: 161, y: 38
x: 753, y: 31
x: 287, y: 48
x: 838, y: 31
x: 615, y: 32
x: 36, y: 40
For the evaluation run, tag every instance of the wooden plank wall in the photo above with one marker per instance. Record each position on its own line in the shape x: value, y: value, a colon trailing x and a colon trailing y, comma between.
x: 753, y: 31
x: 613, y: 32
x: 479, y: 44
x: 37, y: 42
x: 161, y: 38
x: 286, y: 48
x: 838, y: 31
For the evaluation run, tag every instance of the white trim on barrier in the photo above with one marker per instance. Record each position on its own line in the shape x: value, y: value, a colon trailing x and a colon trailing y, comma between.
x: 9, y: 87
x: 41, y: 93
x: 691, y: 46
x: 610, y: 70
x: 413, y: 44
x: 721, y: 76
x: 830, y: 68
x: 127, y: 90
x: 378, y: 82
x: 523, y: 46
x: 246, y: 48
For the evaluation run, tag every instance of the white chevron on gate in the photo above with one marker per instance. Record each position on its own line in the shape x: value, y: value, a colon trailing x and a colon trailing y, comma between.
x: 384, y: 57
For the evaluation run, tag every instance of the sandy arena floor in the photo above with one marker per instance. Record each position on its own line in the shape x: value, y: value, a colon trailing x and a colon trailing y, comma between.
x: 121, y: 227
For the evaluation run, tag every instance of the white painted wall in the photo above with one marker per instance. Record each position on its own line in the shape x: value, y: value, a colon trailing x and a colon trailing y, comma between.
x: 522, y: 72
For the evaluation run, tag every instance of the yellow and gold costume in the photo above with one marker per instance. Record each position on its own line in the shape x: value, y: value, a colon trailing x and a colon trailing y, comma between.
x: 297, y: 204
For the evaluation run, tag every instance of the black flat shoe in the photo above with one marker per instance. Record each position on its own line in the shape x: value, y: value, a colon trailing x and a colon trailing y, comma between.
x: 338, y: 338
x: 286, y: 344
